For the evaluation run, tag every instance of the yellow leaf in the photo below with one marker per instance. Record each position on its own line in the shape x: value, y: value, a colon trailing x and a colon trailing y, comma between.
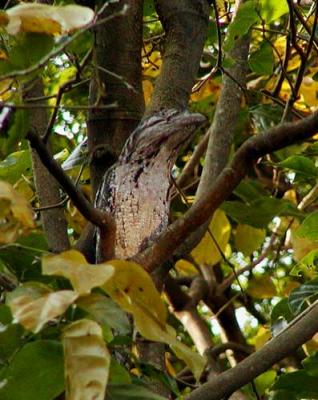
x: 43, y: 18
x: 152, y: 329
x: 308, y: 91
x: 72, y: 265
x: 86, y: 361
x: 133, y: 289
x: 184, y: 267
x: 206, y: 251
x: 33, y: 314
x: 131, y: 284
x: 248, y: 239
x: 16, y: 216
x: 209, y: 88
x: 147, y: 88
x: 262, y: 287
x: 262, y: 336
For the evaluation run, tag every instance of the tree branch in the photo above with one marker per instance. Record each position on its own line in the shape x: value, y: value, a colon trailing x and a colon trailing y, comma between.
x: 275, y: 350
x: 95, y: 216
x: 257, y: 146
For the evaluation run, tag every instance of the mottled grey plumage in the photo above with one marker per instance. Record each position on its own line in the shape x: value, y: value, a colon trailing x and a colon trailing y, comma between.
x: 136, y: 189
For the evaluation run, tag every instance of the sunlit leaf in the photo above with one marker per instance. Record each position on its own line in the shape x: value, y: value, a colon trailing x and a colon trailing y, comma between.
x: 131, y: 284
x: 248, y: 239
x: 72, y: 265
x: 87, y: 361
x: 271, y: 10
x: 43, y: 18
x: 308, y: 265
x: 133, y: 289
x: 245, y: 18
x: 16, y: 216
x: 309, y: 227
x: 15, y: 165
x: 207, y: 251
x: 33, y: 314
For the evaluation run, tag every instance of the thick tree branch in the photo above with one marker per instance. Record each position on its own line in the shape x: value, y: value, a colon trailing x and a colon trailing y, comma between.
x: 278, y: 348
x: 185, y: 23
x: 257, y: 146
x: 95, y: 216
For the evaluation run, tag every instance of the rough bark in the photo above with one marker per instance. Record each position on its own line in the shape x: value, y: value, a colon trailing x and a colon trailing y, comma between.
x: 47, y: 188
x: 185, y: 23
x: 117, y: 49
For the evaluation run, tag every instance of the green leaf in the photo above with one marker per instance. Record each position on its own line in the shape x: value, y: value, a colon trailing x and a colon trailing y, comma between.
x: 309, y: 227
x: 249, y: 190
x: 15, y: 165
x: 272, y: 10
x: 301, y: 294
x: 280, y: 316
x: 245, y: 18
x: 282, y: 395
x: 118, y: 375
x: 10, y: 334
x: 29, y: 49
x: 264, y: 381
x: 36, y: 372
x: 306, y: 264
x: 149, y: 8
x: 130, y: 392
x: 17, y: 131
x: 311, y: 365
x: 262, y: 60
x: 259, y: 212
x: 105, y: 311
x: 300, y: 383
x: 300, y: 164
x: 248, y: 239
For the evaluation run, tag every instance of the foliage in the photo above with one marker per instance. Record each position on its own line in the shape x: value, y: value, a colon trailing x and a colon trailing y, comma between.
x: 260, y: 248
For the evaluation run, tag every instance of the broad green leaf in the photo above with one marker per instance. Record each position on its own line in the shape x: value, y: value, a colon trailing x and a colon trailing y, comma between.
x: 309, y: 227
x: 311, y: 365
x: 301, y: 294
x: 271, y: 10
x: 17, y: 131
x: 105, y: 311
x: 16, y: 216
x: 35, y: 372
x: 43, y: 18
x: 265, y: 381
x: 262, y: 60
x: 131, y: 392
x: 308, y: 265
x: 282, y: 395
x: 280, y: 316
x: 261, y: 287
x: 149, y: 8
x: 245, y: 18
x: 300, y: 164
x: 10, y: 334
x: 248, y: 239
x: 259, y: 213
x: 207, y: 251
x: 34, y: 314
x: 87, y: 361
x: 15, y: 165
x: 249, y: 190
x: 300, y: 383
x: 118, y: 375
x: 72, y: 265
x: 37, y: 47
